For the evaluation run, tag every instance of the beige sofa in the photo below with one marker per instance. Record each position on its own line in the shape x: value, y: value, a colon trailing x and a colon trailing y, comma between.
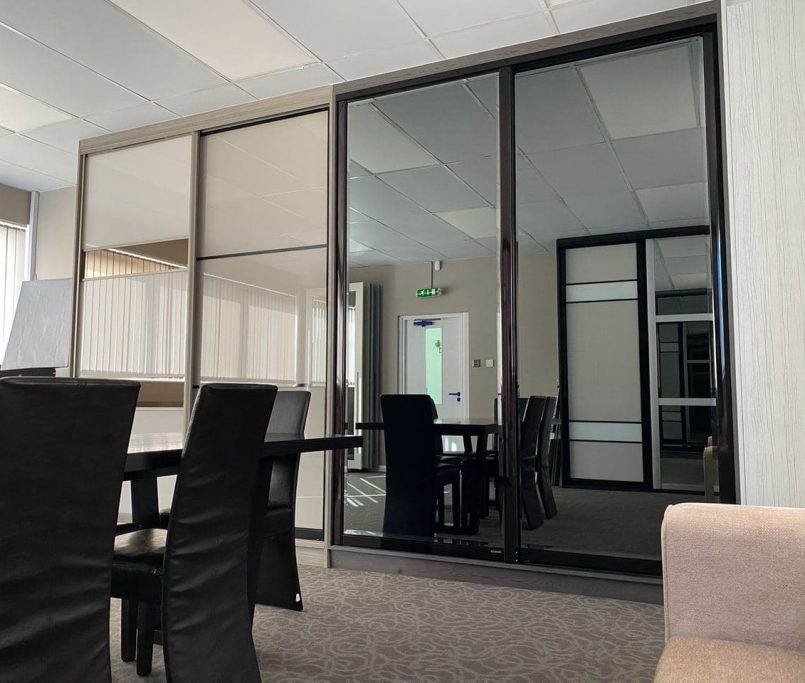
x: 734, y: 584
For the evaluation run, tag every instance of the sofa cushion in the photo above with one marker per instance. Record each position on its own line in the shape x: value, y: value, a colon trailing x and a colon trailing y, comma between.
x: 695, y: 660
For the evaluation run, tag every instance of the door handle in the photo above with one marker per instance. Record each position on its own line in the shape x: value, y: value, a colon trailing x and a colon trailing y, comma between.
x: 457, y: 394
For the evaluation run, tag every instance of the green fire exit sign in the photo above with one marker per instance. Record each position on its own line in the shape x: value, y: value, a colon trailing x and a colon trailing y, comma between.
x: 428, y: 291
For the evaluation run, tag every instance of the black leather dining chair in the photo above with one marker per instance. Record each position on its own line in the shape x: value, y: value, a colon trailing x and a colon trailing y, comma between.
x: 415, y: 480
x: 195, y: 581
x: 64, y: 445
x: 278, y: 581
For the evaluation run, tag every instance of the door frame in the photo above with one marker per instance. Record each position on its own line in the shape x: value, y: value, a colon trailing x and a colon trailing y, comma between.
x: 402, y: 336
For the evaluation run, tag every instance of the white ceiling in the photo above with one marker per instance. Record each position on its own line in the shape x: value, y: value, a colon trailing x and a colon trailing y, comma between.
x: 605, y: 145
x: 71, y: 70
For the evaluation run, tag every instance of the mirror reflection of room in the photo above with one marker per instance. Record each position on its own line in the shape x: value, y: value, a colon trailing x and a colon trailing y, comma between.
x: 614, y: 315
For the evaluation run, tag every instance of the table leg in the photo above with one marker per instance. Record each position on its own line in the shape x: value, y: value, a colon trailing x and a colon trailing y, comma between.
x: 145, y: 502
x: 474, y: 483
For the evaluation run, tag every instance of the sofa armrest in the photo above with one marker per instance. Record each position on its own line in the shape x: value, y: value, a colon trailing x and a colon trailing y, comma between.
x: 735, y: 573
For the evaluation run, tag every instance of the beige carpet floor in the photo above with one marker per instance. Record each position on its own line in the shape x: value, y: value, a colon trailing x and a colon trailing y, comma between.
x: 362, y: 626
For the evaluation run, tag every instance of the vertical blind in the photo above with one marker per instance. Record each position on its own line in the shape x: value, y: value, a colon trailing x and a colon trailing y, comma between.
x: 13, y: 242
x: 317, y: 340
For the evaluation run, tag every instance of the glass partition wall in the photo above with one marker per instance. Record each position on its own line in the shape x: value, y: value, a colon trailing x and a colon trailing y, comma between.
x: 607, y: 199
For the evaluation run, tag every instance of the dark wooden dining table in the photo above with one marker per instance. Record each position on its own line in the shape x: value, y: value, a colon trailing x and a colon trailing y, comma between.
x: 475, y: 454
x: 157, y: 455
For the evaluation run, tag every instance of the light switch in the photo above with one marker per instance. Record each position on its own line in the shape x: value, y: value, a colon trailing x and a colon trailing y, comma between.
x: 490, y: 363
x: 476, y: 363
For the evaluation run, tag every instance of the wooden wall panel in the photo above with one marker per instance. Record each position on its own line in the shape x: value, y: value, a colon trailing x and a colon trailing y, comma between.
x: 765, y: 137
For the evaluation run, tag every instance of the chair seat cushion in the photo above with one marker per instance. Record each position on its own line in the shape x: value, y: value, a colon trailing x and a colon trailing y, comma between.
x: 698, y: 659
x: 137, y: 564
x: 145, y: 546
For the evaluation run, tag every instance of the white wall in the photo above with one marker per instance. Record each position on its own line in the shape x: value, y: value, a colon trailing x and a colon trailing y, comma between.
x: 55, y: 234
x: 765, y: 109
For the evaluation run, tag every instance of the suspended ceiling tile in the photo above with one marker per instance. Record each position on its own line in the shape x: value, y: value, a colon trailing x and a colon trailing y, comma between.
x: 547, y: 221
x: 531, y: 186
x: 644, y: 93
x: 22, y: 151
x: 576, y: 171
x: 370, y: 258
x: 554, y: 111
x: 220, y: 96
x: 46, y: 75
x: 309, y: 204
x: 676, y: 247
x: 379, y: 146
x: 357, y: 247
x: 375, y: 199
x: 132, y: 117
x: 687, y: 265
x: 356, y: 170
x: 379, y: 236
x: 292, y: 80
x: 494, y: 35
x: 692, y: 281
x: 485, y: 88
x: 468, y: 249
x: 428, y: 229
x: 678, y: 202
x: 434, y: 188
x: 491, y: 243
x: 528, y: 245
x: 238, y: 165
x: 112, y: 43
x: 452, y: 15
x: 445, y: 119
x: 229, y: 35
x: 608, y: 210
x: 574, y: 16
x: 620, y: 228
x: 66, y: 134
x: 481, y: 222
x: 384, y: 60
x: 416, y: 253
x: 335, y: 29
x: 481, y: 174
x: 29, y: 179
x: 18, y: 111
x: 664, y: 159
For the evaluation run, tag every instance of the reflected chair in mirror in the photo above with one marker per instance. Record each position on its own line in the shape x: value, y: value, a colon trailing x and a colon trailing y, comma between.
x: 492, y: 463
x: 527, y: 455
x: 195, y: 582
x: 415, y: 479
x: 278, y: 582
x: 543, y: 464
x: 64, y: 450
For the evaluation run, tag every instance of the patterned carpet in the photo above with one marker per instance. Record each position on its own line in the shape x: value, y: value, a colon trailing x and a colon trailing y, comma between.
x: 362, y: 626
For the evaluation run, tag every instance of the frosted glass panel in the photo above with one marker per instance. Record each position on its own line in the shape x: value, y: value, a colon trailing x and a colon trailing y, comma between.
x: 138, y: 194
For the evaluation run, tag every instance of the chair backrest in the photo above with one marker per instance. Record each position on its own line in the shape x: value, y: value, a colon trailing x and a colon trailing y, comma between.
x: 64, y: 445
x: 206, y: 616
x: 410, y: 464
x: 288, y: 417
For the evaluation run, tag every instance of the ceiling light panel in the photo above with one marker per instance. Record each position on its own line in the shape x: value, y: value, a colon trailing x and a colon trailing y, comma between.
x: 434, y: 188
x: 229, y: 35
x: 644, y: 93
x: 554, y: 111
x: 445, y: 119
x: 335, y: 29
x: 50, y: 77
x: 379, y: 146
x: 19, y: 112
x: 112, y: 43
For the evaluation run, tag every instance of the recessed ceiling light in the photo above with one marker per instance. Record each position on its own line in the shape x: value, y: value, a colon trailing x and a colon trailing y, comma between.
x: 20, y: 112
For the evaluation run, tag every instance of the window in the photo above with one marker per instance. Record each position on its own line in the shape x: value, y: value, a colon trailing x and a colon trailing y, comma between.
x: 13, y: 264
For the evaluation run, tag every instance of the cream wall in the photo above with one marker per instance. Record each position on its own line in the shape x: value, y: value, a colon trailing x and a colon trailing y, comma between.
x: 765, y: 138
x: 55, y: 237
x: 15, y: 205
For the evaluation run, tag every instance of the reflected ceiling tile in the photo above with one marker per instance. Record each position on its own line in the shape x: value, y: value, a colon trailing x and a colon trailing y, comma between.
x: 554, y: 111
x: 686, y: 223
x: 22, y: 151
x: 531, y: 186
x: 528, y: 245
x: 335, y: 29
x: 66, y: 134
x: 356, y: 170
x: 293, y: 80
x: 19, y: 112
x: 132, y: 117
x: 574, y: 16
x: 375, y: 199
x: 621, y: 228
x: 445, y: 119
x: 229, y: 35
x: 692, y: 281
x: 687, y: 265
x: 613, y: 209
x: 644, y: 93
x: 5, y: 131
x: 384, y: 60
x: 428, y: 229
x: 664, y: 159
x: 309, y: 204
x: 452, y: 15
x: 370, y: 258
x: 28, y: 179
x: 481, y: 174
x: 112, y: 43
x: 548, y: 221
x: 684, y: 246
x: 434, y: 188
x: 584, y: 170
x: 491, y: 36
x: 356, y: 217
x: 357, y: 247
x: 310, y: 237
x: 379, y: 146
x: 220, y: 96
x: 416, y: 253
x: 379, y: 236
x: 677, y: 202
x: 481, y: 222
x: 464, y: 250
x: 46, y: 75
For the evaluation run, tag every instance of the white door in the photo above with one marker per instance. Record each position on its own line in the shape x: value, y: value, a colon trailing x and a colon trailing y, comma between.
x: 434, y: 361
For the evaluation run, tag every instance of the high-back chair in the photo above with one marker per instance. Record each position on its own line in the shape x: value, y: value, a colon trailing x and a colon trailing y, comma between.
x: 278, y: 582
x: 64, y: 444
x: 414, y: 479
x: 191, y: 580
